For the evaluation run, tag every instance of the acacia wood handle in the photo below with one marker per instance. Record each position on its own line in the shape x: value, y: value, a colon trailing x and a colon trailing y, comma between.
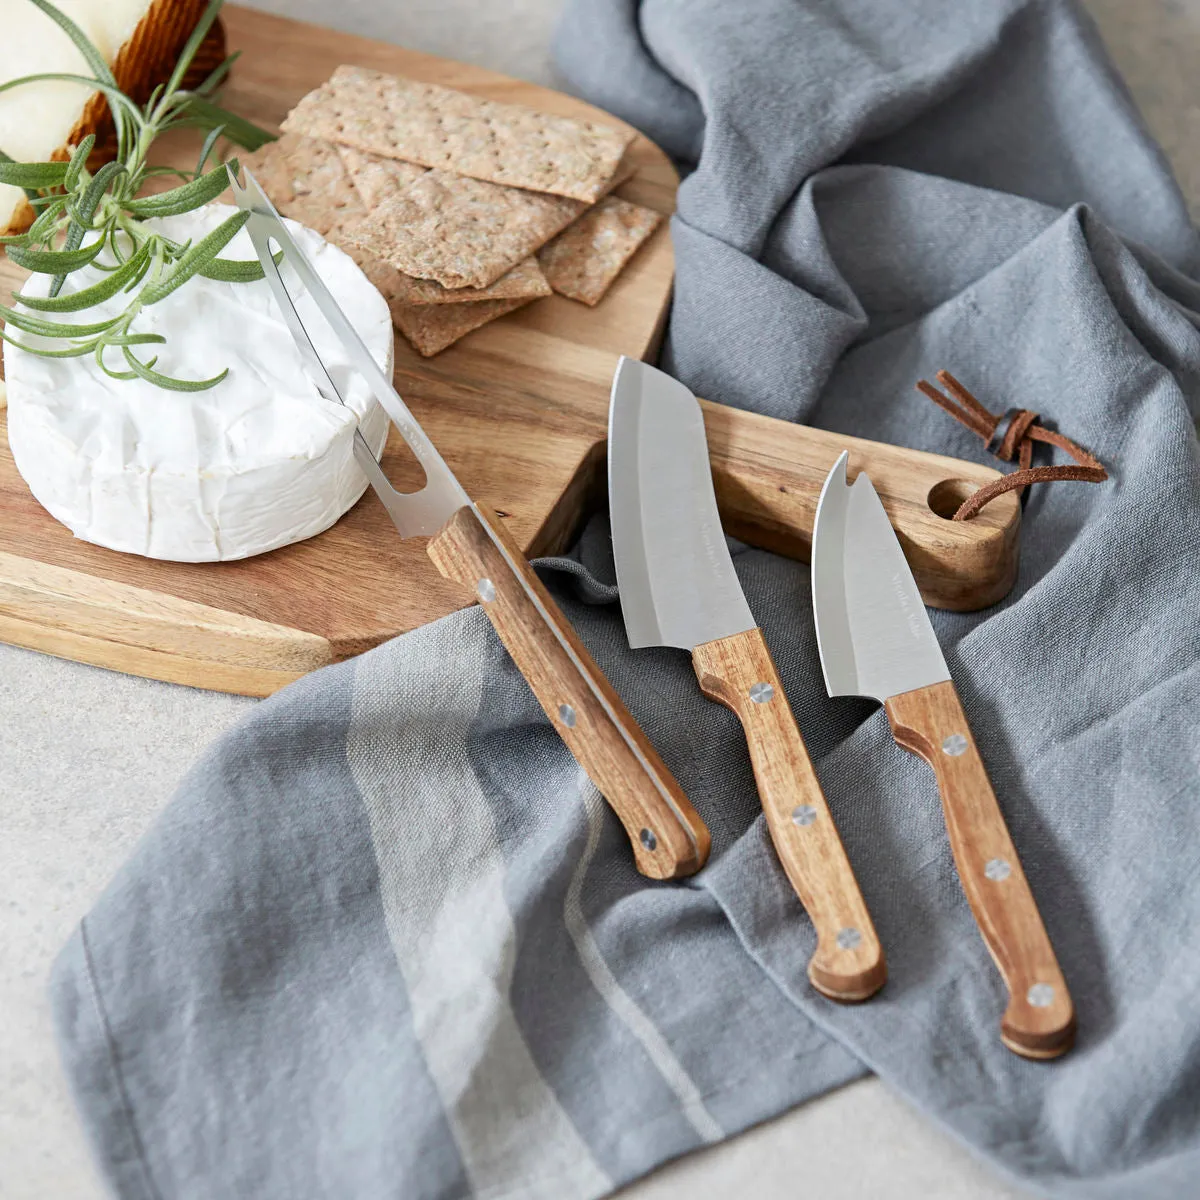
x: 1039, y: 1021
x: 669, y: 838
x: 848, y: 964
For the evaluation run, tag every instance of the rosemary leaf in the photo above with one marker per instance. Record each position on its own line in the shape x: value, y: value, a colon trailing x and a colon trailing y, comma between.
x: 54, y: 262
x: 43, y: 227
x: 195, y: 259
x: 207, y: 148
x: 70, y: 352
x: 206, y: 115
x: 214, y: 81
x: 89, y: 201
x: 78, y: 162
x: 30, y: 193
x: 183, y: 198
x: 236, y: 270
x: 128, y: 273
x: 33, y: 175
x: 192, y: 45
x: 136, y: 339
x: 123, y: 376
x: 52, y: 329
x: 151, y: 172
x: 147, y: 372
x: 81, y: 215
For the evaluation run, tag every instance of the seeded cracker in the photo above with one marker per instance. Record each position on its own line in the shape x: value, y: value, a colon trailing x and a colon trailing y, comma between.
x: 376, y: 178
x: 439, y: 127
x: 460, y: 232
x: 525, y: 280
x: 306, y: 181
x: 626, y: 170
x: 582, y: 262
x: 433, y: 327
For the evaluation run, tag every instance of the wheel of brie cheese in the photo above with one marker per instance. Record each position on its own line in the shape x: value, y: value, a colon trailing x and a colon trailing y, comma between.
x: 259, y: 461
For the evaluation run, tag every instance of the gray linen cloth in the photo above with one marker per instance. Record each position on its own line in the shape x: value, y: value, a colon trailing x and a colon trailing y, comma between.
x: 387, y: 941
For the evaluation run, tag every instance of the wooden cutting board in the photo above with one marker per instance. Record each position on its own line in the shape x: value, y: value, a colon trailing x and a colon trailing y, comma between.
x: 519, y: 411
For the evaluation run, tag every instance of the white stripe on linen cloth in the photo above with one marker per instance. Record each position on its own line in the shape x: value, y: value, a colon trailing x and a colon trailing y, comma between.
x: 441, y: 876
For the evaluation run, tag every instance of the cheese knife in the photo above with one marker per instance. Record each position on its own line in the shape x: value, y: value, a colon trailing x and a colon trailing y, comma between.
x: 876, y: 640
x: 469, y: 544
x: 678, y: 588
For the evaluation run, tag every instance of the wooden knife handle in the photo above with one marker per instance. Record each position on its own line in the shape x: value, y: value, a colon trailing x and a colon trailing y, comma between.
x: 738, y: 671
x: 1040, y: 1019
x: 669, y: 838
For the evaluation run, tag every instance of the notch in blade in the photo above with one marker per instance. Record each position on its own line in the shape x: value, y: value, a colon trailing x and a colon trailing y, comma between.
x: 873, y: 631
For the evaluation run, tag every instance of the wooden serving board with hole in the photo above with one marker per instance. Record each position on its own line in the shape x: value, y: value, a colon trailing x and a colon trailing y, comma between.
x: 519, y: 410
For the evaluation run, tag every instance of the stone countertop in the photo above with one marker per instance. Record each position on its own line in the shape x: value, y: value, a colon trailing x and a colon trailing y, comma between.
x: 87, y: 757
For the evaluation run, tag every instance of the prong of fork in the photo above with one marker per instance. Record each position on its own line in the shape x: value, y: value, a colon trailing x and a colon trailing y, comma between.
x: 421, y: 512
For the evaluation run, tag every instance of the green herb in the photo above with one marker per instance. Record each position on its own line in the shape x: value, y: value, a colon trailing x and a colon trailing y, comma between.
x: 75, y: 204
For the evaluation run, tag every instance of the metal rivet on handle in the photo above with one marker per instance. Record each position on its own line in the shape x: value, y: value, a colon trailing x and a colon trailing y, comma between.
x: 955, y: 745
x: 804, y: 814
x: 848, y: 938
x: 647, y: 838
x: 487, y: 590
x: 1041, y: 995
x: 566, y: 714
x: 760, y: 693
x: 997, y: 869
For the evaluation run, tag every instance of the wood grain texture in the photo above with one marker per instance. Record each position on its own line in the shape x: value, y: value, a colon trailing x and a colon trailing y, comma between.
x: 1039, y: 1021
x: 768, y: 476
x: 519, y: 411
x: 668, y: 837
x: 738, y: 671
x: 147, y: 632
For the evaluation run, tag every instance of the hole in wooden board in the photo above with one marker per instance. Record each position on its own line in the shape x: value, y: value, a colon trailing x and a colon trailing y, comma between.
x: 948, y: 496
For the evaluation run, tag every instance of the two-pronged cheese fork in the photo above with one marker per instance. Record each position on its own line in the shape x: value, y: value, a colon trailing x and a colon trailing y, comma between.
x: 469, y: 544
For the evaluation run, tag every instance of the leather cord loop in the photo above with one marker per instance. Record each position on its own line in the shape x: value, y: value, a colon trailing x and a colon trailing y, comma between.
x: 1008, y: 437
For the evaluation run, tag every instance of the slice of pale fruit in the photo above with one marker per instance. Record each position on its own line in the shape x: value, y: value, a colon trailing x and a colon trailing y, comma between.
x: 140, y: 40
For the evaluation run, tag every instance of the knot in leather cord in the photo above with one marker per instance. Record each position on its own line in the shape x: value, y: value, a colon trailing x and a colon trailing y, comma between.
x: 1008, y: 437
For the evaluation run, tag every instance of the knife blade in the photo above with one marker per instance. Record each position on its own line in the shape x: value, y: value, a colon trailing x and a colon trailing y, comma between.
x: 876, y: 640
x: 679, y: 588
x: 468, y: 544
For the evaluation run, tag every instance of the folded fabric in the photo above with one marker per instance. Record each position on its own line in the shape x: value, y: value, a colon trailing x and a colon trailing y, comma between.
x: 386, y: 941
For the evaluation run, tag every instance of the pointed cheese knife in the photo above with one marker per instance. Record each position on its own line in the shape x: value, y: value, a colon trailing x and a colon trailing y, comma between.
x: 875, y: 640
x: 678, y: 588
x: 470, y: 545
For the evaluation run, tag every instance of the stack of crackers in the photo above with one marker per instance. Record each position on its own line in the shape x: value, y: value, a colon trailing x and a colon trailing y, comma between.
x: 458, y: 209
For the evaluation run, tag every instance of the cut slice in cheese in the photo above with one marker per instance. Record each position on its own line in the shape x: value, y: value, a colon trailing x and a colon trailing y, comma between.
x: 256, y: 462
x: 140, y: 40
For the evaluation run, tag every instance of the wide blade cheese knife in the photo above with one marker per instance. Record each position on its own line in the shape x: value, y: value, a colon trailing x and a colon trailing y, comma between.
x: 469, y: 544
x: 876, y: 640
x: 678, y: 588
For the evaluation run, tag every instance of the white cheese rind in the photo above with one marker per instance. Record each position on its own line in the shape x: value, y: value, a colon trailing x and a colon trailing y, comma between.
x: 255, y: 463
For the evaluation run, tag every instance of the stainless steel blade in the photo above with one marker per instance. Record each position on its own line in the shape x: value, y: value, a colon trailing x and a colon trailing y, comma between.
x: 873, y: 632
x: 678, y: 585
x: 413, y: 513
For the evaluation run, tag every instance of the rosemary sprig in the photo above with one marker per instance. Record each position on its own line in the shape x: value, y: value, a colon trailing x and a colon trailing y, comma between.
x: 97, y: 220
